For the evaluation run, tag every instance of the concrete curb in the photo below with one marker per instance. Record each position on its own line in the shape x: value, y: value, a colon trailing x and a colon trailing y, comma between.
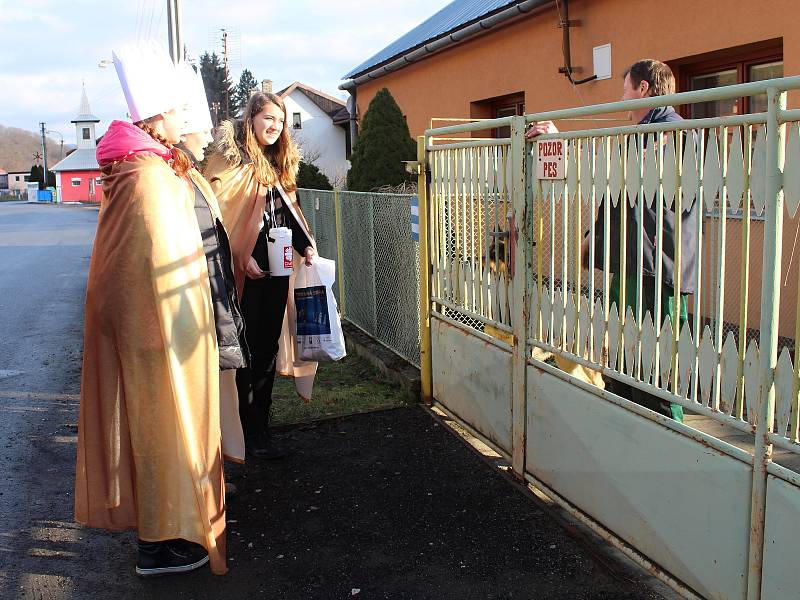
x: 394, y: 367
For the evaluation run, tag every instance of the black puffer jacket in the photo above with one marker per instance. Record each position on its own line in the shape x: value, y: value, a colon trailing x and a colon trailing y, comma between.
x: 233, y: 351
x: 690, y: 215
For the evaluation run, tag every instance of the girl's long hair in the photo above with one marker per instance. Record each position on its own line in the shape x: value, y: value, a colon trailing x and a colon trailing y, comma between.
x: 180, y: 162
x: 278, y: 162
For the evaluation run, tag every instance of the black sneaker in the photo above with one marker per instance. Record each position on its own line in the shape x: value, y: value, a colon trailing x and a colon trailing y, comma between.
x: 230, y: 490
x: 166, y: 558
x: 262, y: 446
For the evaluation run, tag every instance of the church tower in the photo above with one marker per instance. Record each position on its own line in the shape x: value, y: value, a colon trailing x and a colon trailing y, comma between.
x: 84, y: 124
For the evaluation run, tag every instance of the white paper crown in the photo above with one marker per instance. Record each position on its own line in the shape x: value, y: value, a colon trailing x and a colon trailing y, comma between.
x: 148, y: 79
x: 198, y: 118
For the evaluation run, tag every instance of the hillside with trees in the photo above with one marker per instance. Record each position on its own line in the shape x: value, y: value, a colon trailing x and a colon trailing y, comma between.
x: 18, y: 146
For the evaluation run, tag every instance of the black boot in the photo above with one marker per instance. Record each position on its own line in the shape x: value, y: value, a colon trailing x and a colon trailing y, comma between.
x: 171, y: 556
x: 261, y: 445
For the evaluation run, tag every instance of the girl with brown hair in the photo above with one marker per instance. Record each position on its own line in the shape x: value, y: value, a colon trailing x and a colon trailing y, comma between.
x: 253, y: 172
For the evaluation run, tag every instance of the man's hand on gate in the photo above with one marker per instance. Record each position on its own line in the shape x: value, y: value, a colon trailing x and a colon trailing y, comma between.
x: 540, y: 127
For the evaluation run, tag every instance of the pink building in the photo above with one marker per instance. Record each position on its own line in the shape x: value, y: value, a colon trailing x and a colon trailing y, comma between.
x: 78, y: 175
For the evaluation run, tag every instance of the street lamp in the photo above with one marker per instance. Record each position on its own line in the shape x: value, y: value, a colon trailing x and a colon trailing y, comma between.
x: 58, y: 133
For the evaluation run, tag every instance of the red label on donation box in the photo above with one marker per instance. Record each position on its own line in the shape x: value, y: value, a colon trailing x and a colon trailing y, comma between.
x: 550, y: 159
x: 287, y: 257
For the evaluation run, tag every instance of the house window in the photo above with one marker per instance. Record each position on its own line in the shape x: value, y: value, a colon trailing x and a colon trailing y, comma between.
x: 86, y: 133
x: 297, y: 122
x: 501, y: 106
x: 76, y: 181
x: 743, y: 64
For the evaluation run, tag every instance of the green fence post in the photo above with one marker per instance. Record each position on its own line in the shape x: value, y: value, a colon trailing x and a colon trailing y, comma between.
x: 426, y: 367
x: 768, y: 342
x: 337, y: 204
x: 519, y: 312
x: 373, y: 266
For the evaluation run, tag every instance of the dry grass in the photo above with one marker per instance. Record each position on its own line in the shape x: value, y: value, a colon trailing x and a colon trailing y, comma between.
x: 345, y: 387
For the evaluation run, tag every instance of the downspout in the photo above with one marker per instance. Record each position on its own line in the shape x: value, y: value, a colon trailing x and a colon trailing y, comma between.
x: 353, y: 112
x: 564, y: 23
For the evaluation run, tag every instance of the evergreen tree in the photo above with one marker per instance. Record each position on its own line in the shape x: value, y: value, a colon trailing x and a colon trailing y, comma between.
x: 383, y: 144
x: 37, y: 175
x: 213, y: 72
x: 242, y: 92
x: 311, y: 178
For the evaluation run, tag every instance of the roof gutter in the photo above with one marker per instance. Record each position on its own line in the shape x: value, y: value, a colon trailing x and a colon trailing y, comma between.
x: 455, y: 37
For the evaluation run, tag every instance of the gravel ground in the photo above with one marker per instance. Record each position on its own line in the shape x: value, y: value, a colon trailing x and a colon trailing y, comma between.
x: 380, y: 505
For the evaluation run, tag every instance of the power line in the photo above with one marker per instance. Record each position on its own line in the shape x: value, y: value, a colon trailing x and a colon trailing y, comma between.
x: 139, y: 12
x: 152, y: 16
x: 160, y: 17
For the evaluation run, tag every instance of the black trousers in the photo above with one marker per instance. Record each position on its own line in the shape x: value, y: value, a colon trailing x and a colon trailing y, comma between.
x: 263, y: 307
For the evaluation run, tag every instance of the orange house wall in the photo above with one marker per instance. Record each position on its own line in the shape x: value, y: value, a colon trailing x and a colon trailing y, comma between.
x: 525, y: 56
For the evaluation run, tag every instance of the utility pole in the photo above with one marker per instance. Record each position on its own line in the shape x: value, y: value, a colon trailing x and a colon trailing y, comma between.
x: 44, y: 152
x: 225, y: 62
x: 174, y: 34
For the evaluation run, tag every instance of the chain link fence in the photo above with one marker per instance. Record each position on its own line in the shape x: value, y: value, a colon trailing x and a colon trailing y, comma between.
x: 379, y: 262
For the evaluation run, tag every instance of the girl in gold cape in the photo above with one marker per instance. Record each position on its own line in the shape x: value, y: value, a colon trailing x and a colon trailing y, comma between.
x: 149, y: 453
x: 251, y: 159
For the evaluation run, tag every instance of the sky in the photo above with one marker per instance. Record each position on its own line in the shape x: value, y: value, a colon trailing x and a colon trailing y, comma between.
x: 49, y: 47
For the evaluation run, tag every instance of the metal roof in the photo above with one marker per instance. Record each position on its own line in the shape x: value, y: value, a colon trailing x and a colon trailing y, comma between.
x: 328, y: 104
x: 454, y: 15
x: 84, y: 159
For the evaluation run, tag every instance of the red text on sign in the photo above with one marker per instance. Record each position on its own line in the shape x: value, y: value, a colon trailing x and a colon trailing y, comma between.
x: 554, y: 148
x: 550, y: 168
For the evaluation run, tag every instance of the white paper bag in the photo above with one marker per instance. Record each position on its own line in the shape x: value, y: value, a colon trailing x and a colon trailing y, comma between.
x: 319, y: 330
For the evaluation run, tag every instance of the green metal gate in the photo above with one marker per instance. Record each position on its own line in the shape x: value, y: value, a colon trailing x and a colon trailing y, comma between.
x: 715, y: 501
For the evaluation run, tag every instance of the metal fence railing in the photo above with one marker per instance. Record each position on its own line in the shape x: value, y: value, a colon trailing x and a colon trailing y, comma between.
x: 662, y: 257
x: 369, y: 235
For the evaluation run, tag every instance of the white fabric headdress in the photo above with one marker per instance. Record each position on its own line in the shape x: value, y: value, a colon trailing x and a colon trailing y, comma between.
x: 148, y: 79
x: 198, y: 117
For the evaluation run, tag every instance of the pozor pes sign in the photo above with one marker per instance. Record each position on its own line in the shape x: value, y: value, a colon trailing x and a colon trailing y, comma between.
x: 550, y: 159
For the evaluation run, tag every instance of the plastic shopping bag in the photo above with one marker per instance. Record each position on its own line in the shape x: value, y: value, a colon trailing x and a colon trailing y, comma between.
x: 319, y: 330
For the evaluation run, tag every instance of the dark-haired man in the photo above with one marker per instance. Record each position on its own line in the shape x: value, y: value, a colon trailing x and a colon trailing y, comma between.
x: 643, y: 79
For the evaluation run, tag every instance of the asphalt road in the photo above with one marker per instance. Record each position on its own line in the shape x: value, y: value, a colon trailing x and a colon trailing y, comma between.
x: 381, y: 505
x: 44, y: 258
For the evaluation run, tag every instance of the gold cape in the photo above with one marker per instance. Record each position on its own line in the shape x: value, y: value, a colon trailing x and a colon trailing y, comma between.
x: 242, y: 199
x: 149, y: 454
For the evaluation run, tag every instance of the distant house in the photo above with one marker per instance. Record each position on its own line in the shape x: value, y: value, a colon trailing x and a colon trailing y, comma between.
x: 78, y: 175
x: 17, y: 181
x: 320, y: 125
x: 3, y: 182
